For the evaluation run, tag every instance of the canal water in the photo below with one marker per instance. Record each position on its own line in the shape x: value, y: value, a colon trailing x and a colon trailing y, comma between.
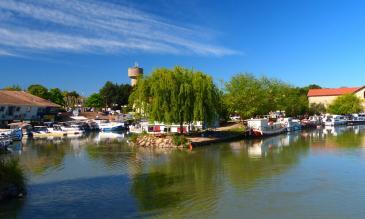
x: 308, y: 174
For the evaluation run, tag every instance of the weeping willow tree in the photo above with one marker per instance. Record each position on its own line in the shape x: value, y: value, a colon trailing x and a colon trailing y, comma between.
x: 177, y: 95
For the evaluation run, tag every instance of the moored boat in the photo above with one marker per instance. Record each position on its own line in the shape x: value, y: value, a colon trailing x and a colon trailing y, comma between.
x: 110, y: 126
x: 291, y: 124
x: 262, y: 127
x: 334, y: 120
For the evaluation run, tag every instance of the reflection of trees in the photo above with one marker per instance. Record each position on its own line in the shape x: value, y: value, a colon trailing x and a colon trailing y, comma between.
x: 42, y: 155
x: 110, y: 152
x: 184, y: 176
x: 243, y: 170
x: 346, y: 138
x: 341, y: 136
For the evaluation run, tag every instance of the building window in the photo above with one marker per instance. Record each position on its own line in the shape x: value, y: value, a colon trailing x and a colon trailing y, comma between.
x: 364, y: 94
x: 18, y: 109
x: 11, y: 110
x: 2, y: 108
x: 29, y: 108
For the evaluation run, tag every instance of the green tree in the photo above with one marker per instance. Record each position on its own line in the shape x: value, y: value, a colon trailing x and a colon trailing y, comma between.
x: 56, y: 96
x: 317, y: 108
x: 245, y: 96
x: 71, y: 99
x: 346, y: 104
x: 13, y: 87
x: 115, y: 95
x: 38, y: 90
x: 176, y: 96
x: 94, y: 100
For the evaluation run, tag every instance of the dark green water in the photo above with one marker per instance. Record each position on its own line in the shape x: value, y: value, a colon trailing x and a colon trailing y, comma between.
x: 318, y: 174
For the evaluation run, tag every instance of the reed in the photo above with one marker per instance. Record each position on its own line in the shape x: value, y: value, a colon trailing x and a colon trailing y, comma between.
x: 11, y: 174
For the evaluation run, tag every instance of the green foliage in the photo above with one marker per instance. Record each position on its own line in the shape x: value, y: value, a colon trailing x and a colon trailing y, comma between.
x: 115, y: 95
x: 176, y: 96
x: 11, y: 174
x: 94, y: 100
x: 346, y: 104
x: 179, y: 140
x: 71, y: 98
x: 39, y: 91
x: 317, y: 108
x: 56, y: 96
x: 13, y: 87
x: 250, y: 96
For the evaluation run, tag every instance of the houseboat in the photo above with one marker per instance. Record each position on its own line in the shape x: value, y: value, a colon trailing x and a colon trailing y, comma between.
x: 262, y: 127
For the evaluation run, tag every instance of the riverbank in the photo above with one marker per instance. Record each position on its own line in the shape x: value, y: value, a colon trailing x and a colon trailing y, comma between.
x: 229, y: 132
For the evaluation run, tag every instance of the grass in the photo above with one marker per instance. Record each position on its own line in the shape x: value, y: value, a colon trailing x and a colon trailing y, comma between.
x: 11, y: 174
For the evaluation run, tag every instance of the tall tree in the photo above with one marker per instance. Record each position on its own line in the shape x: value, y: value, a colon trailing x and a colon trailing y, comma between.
x: 94, y: 100
x: 346, y: 104
x: 115, y: 95
x: 56, y: 96
x: 176, y: 96
x: 71, y: 99
x: 245, y: 96
x: 39, y: 90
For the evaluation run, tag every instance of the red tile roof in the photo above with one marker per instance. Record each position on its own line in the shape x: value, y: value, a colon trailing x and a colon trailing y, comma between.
x: 21, y: 98
x: 332, y: 91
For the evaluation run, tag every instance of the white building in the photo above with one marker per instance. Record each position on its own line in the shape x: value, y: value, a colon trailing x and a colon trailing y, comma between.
x: 22, y: 106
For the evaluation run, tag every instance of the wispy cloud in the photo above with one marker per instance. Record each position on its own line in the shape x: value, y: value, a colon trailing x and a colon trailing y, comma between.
x: 28, y: 26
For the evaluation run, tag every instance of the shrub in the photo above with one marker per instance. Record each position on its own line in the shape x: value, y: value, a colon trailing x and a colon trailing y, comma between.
x: 11, y: 174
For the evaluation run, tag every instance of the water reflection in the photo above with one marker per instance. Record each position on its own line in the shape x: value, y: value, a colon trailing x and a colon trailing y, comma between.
x: 159, y: 182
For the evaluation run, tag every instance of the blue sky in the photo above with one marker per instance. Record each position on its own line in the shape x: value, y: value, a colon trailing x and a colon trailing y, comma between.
x: 78, y: 45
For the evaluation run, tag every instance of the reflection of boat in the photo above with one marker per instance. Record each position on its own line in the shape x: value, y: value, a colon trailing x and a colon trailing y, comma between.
x: 101, y: 136
x: 333, y: 120
x: 262, y: 127
x: 276, y: 143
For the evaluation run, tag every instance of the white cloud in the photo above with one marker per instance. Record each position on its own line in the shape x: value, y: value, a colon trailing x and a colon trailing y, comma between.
x: 95, y: 27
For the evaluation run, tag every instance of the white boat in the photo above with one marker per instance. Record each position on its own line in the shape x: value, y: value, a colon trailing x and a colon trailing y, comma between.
x: 110, y: 126
x: 262, y: 127
x: 57, y: 130
x: 5, y: 141
x: 15, y: 134
x: 72, y: 129
x: 291, y: 124
x: 355, y: 119
x: 334, y: 120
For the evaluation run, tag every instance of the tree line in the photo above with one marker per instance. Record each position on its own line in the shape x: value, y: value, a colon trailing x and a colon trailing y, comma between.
x: 111, y: 95
x: 180, y: 95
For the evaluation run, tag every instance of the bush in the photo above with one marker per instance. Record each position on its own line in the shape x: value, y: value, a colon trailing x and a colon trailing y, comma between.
x: 179, y: 140
x: 11, y: 174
